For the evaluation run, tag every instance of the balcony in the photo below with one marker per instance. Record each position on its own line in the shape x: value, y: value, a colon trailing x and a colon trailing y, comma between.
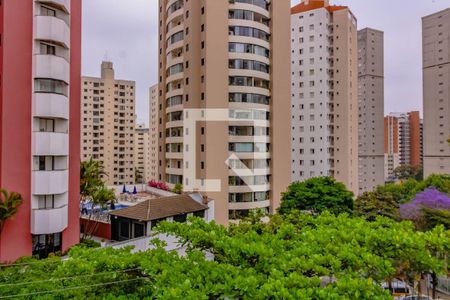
x: 64, y: 5
x: 50, y: 144
x: 50, y: 182
x: 51, y: 67
x: 47, y: 221
x: 52, y: 29
x: 48, y: 105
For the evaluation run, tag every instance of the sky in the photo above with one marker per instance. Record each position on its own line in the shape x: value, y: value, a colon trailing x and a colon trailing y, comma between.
x: 127, y: 35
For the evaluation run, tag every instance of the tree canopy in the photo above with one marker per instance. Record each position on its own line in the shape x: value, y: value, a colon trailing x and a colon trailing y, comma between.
x: 374, y: 204
x: 317, y: 195
x: 9, y: 205
x: 290, y: 257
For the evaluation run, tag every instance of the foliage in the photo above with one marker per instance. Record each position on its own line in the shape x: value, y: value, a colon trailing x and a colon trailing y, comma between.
x: 89, y: 243
x: 289, y: 257
x: 93, y: 189
x: 9, y: 205
x: 405, y: 191
x: 138, y: 176
x: 91, y: 173
x: 158, y: 185
x: 437, y: 205
x: 317, y: 195
x: 178, y: 189
x: 408, y: 171
x: 373, y: 204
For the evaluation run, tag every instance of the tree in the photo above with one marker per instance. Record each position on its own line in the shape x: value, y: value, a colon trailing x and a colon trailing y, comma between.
x: 100, y: 197
x: 91, y: 174
x: 139, y: 178
x: 405, y: 172
x: 290, y: 257
x: 9, y: 205
x: 427, y: 209
x: 178, y: 189
x: 317, y: 195
x: 373, y: 204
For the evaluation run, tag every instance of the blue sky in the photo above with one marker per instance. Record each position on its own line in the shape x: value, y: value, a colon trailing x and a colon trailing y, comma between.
x: 127, y: 35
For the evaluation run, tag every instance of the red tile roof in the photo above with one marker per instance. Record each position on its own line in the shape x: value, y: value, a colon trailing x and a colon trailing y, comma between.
x: 314, y: 4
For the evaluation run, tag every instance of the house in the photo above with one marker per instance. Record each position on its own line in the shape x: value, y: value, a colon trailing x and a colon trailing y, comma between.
x: 139, y: 220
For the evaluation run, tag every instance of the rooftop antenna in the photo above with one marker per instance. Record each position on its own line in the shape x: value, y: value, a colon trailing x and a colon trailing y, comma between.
x: 106, y: 56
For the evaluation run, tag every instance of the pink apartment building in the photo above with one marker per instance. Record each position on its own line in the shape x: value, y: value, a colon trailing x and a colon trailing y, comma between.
x: 40, y: 65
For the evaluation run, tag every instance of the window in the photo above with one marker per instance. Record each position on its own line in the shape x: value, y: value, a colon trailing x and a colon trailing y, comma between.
x: 47, y: 49
x: 46, y: 125
x: 46, y: 202
x: 50, y: 86
x: 46, y: 11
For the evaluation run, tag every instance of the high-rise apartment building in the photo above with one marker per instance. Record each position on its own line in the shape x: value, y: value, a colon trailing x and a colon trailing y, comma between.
x: 225, y: 64
x: 324, y: 89
x: 371, y: 109
x: 436, y: 92
x: 142, y: 154
x: 153, y: 135
x: 40, y: 60
x: 108, y: 124
x: 402, y: 141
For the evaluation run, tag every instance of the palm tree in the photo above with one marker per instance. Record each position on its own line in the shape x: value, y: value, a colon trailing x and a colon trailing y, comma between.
x: 9, y: 204
x: 91, y: 173
x: 101, y: 196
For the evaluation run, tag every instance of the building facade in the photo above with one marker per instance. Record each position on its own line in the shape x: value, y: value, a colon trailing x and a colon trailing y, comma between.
x: 436, y: 92
x: 142, y: 157
x: 324, y: 92
x: 153, y: 135
x: 403, y: 141
x: 108, y: 124
x: 40, y: 59
x: 371, y: 109
x: 226, y: 64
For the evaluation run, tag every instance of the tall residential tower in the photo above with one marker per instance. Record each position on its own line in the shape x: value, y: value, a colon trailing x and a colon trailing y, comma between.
x: 108, y: 124
x: 436, y: 92
x: 324, y: 88
x: 371, y: 109
x: 224, y: 66
x: 40, y: 61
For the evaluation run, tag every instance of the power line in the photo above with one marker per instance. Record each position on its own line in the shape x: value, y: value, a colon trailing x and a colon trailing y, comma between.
x: 67, y: 278
x: 71, y: 288
x: 31, y: 263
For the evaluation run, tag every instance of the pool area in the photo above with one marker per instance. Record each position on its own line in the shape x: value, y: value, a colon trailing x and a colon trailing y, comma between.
x: 120, y: 206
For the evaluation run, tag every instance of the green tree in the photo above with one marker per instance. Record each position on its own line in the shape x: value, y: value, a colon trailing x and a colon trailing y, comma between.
x: 178, y: 188
x: 91, y: 174
x: 9, y: 205
x: 317, y: 195
x: 405, y: 172
x: 373, y: 204
x: 440, y: 181
x: 138, y: 176
x: 296, y: 256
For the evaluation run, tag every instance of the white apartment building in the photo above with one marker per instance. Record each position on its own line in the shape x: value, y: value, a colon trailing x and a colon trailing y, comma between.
x: 371, y: 109
x: 108, y: 124
x: 324, y: 93
x: 436, y: 92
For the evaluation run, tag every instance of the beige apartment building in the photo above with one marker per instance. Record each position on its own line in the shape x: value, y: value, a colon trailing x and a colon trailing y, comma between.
x: 324, y: 92
x: 108, y: 124
x: 142, y: 158
x: 371, y: 109
x: 225, y: 64
x: 153, y: 134
x: 436, y: 92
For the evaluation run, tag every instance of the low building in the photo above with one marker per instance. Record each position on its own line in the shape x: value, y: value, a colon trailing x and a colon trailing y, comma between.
x: 139, y: 220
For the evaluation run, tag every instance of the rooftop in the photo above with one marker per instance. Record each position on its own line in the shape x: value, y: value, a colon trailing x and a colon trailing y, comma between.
x: 158, y: 208
x: 308, y: 5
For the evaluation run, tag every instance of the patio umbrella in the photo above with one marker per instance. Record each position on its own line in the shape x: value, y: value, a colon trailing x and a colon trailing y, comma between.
x: 134, y: 190
x: 124, y: 190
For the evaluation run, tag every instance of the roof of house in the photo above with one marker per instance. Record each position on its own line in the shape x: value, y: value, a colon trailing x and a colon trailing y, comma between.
x: 159, y: 208
x: 314, y: 4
